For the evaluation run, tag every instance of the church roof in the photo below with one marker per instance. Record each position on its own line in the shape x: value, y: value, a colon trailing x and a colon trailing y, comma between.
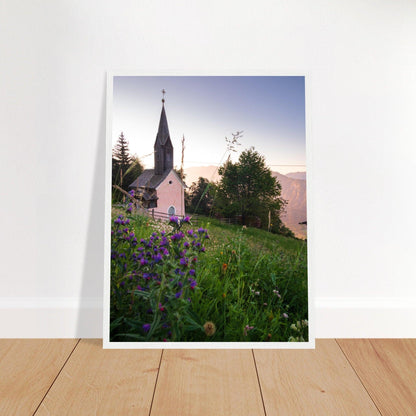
x: 148, y: 179
x: 163, y: 133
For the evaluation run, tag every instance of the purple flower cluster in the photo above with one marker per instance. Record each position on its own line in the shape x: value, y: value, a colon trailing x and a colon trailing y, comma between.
x: 155, y: 276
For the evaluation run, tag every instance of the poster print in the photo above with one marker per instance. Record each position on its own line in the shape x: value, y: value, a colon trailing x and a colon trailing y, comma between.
x: 208, y: 212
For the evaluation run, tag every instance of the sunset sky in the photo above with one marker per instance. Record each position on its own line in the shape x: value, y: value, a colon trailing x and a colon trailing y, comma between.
x: 270, y: 110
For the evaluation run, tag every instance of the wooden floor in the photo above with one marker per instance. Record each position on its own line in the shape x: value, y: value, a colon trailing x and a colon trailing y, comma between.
x: 77, y: 377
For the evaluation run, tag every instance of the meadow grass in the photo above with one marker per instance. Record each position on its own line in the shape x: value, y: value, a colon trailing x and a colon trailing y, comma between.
x: 251, y: 286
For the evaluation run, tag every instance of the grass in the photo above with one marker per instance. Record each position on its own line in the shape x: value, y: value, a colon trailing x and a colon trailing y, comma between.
x: 252, y: 286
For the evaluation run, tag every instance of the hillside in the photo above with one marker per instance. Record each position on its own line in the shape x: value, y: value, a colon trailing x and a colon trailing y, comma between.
x: 229, y: 284
x: 293, y: 191
x: 297, y: 175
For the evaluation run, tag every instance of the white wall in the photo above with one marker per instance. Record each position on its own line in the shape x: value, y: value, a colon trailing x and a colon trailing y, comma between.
x: 360, y: 59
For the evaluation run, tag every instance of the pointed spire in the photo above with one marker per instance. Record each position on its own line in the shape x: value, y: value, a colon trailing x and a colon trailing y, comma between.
x: 163, y: 145
x: 163, y: 131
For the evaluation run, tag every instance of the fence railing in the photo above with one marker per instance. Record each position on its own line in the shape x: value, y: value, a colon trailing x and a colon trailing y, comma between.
x: 157, y: 215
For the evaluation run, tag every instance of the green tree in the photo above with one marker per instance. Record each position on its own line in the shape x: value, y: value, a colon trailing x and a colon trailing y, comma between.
x: 199, y: 197
x: 125, y: 168
x: 121, y: 161
x: 248, y: 189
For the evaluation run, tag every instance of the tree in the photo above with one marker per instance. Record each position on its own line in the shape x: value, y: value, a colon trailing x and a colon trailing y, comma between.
x: 199, y: 198
x: 121, y: 161
x: 125, y: 168
x: 248, y: 189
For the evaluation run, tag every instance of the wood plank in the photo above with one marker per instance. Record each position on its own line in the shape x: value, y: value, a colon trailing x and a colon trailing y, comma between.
x: 103, y: 382
x: 311, y: 382
x: 208, y: 383
x: 387, y: 368
x: 28, y: 367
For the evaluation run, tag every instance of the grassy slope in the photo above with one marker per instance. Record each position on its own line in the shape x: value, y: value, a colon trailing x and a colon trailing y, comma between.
x: 237, y: 277
x: 255, y: 261
x: 257, y: 238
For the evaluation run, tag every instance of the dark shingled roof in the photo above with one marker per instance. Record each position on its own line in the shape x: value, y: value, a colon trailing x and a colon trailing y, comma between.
x: 148, y: 179
x: 163, y: 132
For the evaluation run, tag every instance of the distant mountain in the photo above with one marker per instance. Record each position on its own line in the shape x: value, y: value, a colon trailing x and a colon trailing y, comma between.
x: 297, y: 175
x: 207, y: 172
x: 293, y: 191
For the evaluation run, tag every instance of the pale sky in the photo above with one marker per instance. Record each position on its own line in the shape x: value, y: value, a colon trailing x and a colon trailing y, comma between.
x: 270, y: 110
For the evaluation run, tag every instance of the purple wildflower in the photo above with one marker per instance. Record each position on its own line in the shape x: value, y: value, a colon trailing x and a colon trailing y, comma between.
x: 157, y: 258
x: 192, y: 272
x: 146, y: 327
x: 192, y: 283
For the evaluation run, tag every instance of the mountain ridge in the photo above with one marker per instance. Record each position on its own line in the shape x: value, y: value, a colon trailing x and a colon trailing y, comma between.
x: 293, y: 191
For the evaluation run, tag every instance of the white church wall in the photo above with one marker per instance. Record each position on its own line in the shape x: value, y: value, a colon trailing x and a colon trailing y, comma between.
x: 170, y: 193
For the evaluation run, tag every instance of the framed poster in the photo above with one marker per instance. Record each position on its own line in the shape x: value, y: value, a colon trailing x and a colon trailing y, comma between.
x: 206, y: 212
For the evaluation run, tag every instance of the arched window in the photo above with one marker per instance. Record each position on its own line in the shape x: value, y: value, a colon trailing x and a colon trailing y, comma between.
x: 171, y: 210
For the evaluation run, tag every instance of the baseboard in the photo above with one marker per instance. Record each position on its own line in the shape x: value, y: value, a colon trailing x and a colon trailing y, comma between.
x: 51, y: 318
x: 365, y: 317
x: 82, y: 318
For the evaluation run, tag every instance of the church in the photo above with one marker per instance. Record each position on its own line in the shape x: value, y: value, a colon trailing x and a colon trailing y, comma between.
x: 161, y: 189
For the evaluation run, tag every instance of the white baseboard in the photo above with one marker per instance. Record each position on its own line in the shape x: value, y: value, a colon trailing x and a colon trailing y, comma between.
x: 51, y: 318
x: 365, y: 317
x: 82, y: 318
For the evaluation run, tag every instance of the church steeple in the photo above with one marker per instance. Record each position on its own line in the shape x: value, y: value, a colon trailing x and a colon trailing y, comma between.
x: 163, y: 146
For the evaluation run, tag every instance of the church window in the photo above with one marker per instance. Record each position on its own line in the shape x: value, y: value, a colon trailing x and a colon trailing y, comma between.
x: 171, y: 210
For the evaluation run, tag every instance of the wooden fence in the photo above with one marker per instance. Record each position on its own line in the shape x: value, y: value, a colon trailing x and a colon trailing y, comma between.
x: 157, y: 215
